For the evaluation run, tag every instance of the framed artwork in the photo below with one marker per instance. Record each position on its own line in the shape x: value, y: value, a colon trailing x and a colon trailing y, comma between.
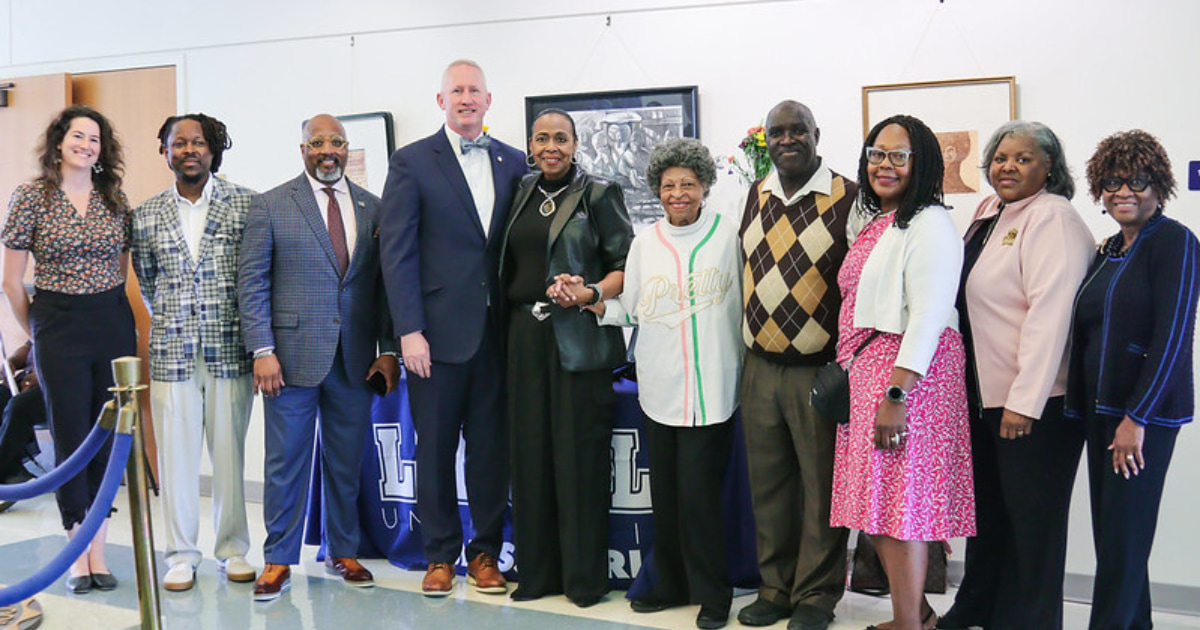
x: 618, y: 130
x: 963, y: 113
x: 372, y: 139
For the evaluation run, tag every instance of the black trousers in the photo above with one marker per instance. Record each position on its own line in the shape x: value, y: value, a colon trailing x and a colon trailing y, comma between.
x: 17, y: 438
x: 75, y: 339
x: 467, y: 400
x: 687, y: 468
x: 1014, y: 565
x: 1124, y: 518
x: 561, y: 438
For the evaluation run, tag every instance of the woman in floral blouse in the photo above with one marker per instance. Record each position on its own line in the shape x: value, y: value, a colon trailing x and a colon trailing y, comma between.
x: 75, y: 221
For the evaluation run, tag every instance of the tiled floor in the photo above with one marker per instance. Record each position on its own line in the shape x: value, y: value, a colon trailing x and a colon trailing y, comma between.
x: 29, y: 536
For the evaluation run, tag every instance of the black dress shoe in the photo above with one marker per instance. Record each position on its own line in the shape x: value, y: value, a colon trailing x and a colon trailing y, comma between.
x: 712, y: 616
x: 654, y: 603
x: 809, y: 617
x: 525, y: 595
x: 104, y: 581
x: 79, y: 585
x: 762, y: 613
x: 586, y: 601
x: 957, y: 618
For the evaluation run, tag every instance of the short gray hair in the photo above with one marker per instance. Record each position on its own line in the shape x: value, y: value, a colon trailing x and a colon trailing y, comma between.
x: 686, y: 153
x: 464, y: 62
x: 1060, y: 181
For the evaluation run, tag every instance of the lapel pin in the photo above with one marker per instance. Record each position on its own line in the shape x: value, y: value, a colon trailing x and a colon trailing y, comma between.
x: 499, y: 158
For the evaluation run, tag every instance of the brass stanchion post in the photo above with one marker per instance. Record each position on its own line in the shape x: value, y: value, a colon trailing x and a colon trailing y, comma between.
x: 127, y: 372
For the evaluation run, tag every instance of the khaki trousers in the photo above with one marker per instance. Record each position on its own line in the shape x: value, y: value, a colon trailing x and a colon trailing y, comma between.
x: 789, y: 447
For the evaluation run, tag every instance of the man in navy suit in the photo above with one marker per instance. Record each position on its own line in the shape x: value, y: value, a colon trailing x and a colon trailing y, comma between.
x: 314, y: 314
x: 444, y: 207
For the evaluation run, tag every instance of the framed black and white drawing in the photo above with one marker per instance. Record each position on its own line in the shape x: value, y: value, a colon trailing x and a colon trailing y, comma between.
x: 618, y: 130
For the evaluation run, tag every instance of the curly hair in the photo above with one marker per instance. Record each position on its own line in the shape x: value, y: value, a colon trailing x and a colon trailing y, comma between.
x: 1131, y: 153
x: 1058, y: 180
x: 925, y: 181
x: 108, y: 180
x: 686, y: 153
x: 215, y: 134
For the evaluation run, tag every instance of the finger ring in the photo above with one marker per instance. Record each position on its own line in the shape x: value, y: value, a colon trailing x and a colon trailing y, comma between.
x: 1020, y: 433
x: 895, y: 439
x: 1129, y: 457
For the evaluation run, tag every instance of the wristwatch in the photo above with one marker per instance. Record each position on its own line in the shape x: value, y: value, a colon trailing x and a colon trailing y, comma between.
x: 896, y: 394
x: 597, y: 294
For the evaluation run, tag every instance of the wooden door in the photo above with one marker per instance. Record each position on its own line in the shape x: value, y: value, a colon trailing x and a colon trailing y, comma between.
x: 32, y: 102
x: 136, y: 102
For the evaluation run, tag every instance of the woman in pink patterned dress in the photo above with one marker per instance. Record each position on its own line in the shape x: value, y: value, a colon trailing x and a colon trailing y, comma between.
x: 902, y: 472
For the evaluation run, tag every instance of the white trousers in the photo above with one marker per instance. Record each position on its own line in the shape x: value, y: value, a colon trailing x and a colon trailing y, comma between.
x: 186, y: 415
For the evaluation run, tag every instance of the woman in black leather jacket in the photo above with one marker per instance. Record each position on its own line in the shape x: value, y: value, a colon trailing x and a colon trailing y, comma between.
x: 560, y: 361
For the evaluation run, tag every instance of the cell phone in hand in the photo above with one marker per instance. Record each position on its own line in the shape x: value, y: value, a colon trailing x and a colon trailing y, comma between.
x: 378, y: 383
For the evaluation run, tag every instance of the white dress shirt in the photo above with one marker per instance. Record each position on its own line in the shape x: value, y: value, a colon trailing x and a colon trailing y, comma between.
x: 342, y: 191
x: 477, y: 168
x: 193, y: 217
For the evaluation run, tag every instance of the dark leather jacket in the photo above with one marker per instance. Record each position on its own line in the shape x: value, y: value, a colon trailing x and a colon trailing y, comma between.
x: 589, y: 237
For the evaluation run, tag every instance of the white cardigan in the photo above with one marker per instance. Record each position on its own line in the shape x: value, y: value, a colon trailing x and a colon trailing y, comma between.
x: 909, y: 285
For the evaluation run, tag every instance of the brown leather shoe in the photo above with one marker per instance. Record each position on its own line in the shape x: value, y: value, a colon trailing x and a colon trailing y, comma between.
x: 274, y: 580
x: 485, y: 576
x: 439, y: 579
x: 351, y: 572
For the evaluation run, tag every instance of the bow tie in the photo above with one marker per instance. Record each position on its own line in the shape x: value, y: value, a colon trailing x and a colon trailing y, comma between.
x: 482, y: 142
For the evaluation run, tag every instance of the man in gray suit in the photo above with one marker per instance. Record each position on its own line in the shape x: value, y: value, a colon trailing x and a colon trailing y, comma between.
x: 185, y: 251
x: 313, y: 315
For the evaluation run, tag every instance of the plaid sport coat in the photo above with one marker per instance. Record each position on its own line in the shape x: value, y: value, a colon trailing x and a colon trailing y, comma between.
x: 193, y: 303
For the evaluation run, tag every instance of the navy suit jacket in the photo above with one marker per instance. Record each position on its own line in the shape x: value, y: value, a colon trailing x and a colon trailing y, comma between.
x: 291, y: 295
x: 439, y: 267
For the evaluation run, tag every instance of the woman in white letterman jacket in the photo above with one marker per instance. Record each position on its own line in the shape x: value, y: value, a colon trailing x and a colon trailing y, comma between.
x: 683, y: 289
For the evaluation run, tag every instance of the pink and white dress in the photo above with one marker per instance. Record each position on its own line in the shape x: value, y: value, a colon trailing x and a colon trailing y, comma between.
x: 924, y: 489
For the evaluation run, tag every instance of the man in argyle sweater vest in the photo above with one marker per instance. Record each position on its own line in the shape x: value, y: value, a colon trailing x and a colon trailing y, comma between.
x: 793, y: 235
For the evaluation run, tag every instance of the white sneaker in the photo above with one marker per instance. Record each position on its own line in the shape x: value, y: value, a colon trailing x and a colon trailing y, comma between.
x: 180, y: 577
x: 236, y: 569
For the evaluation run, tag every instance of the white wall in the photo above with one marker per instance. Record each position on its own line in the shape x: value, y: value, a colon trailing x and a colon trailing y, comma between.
x: 1085, y: 67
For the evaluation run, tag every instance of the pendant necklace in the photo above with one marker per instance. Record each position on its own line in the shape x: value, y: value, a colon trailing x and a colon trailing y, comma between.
x: 548, y: 206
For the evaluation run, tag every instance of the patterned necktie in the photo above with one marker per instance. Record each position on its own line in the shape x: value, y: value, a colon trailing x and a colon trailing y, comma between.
x: 482, y: 142
x: 337, y: 231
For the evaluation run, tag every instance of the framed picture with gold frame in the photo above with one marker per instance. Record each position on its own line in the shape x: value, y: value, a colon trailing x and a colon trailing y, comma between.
x: 962, y: 112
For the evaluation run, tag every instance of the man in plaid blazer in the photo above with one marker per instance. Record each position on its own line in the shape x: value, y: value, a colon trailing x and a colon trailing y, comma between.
x: 314, y: 314
x: 185, y: 252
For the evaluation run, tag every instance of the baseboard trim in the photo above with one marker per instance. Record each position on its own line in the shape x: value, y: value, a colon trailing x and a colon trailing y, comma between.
x: 1077, y: 588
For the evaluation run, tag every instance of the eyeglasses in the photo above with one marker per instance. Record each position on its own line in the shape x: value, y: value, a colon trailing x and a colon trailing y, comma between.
x: 318, y: 142
x: 1136, y: 184
x: 898, y: 157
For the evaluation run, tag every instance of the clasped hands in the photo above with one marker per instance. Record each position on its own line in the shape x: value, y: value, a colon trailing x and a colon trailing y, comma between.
x: 569, y: 290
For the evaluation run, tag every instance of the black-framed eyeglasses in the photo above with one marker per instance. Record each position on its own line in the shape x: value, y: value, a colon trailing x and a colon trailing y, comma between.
x: 898, y: 157
x: 1136, y: 184
x: 318, y: 142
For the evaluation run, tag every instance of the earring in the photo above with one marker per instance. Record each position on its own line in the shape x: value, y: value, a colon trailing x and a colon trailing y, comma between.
x: 97, y: 168
x: 529, y: 161
x: 575, y: 158
x: 57, y: 159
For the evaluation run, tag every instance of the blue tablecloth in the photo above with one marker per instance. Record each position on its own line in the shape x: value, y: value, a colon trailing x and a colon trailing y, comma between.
x: 391, y: 525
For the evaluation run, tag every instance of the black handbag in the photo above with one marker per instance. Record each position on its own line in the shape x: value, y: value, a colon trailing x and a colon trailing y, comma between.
x: 830, y: 394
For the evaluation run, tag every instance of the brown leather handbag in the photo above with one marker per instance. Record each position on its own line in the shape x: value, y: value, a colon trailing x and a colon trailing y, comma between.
x: 868, y: 577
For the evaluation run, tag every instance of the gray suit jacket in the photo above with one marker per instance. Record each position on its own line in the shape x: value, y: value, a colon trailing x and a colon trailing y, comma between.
x: 292, y: 296
x: 193, y: 303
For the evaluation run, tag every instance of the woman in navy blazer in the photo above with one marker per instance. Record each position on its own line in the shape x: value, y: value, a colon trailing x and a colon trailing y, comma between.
x: 1131, y: 366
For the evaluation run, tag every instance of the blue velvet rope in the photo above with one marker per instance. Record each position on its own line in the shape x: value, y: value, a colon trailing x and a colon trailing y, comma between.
x: 62, y: 473
x: 38, y: 582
